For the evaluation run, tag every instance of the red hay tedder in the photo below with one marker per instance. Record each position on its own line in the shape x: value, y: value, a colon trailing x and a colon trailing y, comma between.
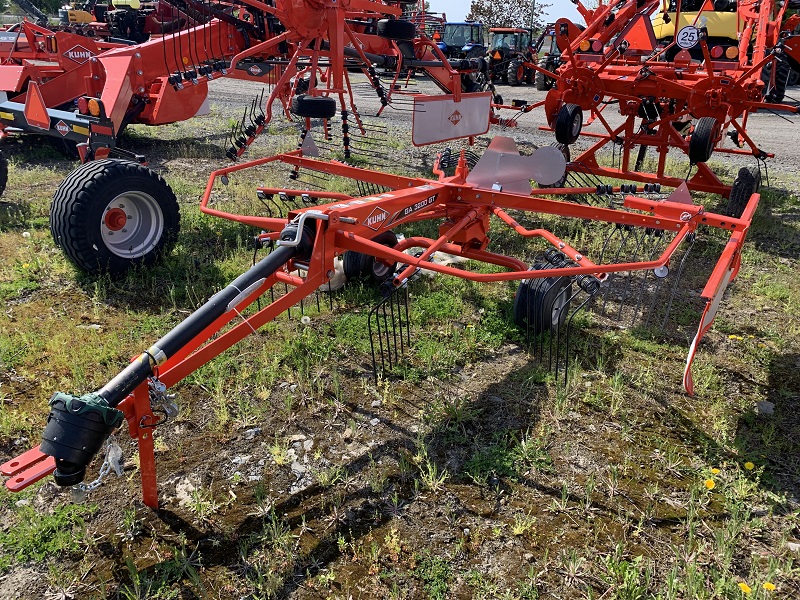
x: 643, y: 237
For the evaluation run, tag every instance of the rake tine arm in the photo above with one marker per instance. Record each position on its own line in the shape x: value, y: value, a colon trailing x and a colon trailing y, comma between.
x: 724, y: 272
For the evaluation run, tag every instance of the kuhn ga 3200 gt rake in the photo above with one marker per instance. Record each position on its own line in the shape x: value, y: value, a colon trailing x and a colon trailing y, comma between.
x: 306, y: 243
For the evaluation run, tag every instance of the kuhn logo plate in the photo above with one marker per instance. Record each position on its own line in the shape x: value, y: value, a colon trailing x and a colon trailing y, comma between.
x: 62, y: 128
x: 78, y: 54
x: 376, y: 218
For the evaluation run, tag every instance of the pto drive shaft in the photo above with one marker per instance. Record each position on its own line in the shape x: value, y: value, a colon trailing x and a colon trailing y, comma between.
x: 77, y: 426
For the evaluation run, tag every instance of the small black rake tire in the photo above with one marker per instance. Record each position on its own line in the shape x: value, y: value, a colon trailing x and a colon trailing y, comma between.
x: 394, y: 29
x: 569, y: 123
x: 516, y: 72
x: 111, y: 215
x: 747, y: 183
x: 363, y: 267
x: 542, y: 305
x: 701, y: 144
x: 783, y: 72
x: 314, y: 107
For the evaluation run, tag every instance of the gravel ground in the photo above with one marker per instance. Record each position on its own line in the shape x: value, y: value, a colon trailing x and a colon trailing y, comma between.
x: 775, y: 132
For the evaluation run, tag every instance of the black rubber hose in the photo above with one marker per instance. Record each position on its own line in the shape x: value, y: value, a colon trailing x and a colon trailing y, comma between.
x: 116, y: 390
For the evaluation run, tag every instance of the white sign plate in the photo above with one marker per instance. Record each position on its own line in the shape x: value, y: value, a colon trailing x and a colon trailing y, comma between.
x: 688, y: 37
x: 440, y: 118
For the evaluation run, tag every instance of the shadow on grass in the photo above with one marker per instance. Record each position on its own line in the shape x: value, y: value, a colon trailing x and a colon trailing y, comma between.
x: 345, y: 513
x: 183, y: 278
x: 198, y: 144
x: 460, y: 441
x: 769, y: 435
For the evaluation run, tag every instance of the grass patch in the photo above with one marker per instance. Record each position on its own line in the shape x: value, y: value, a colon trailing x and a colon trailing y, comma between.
x: 37, y: 536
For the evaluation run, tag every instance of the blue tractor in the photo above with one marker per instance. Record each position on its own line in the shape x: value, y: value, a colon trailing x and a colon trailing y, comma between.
x: 462, y: 40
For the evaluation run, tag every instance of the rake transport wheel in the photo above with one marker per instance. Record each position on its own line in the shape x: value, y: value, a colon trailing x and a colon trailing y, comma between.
x: 314, y: 107
x: 701, y: 144
x: 516, y: 72
x: 365, y: 267
x: 542, y: 305
x: 109, y: 215
x: 568, y: 123
x: 3, y: 173
x: 396, y: 30
x: 747, y: 183
x: 782, y: 75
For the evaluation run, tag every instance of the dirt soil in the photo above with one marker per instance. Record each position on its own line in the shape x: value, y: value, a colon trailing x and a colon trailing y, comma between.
x: 489, y: 480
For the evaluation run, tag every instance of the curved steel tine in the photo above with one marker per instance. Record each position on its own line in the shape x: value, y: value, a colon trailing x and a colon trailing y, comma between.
x: 677, y: 280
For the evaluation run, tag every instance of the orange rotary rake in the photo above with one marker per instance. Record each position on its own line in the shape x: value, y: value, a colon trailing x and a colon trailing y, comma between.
x: 689, y: 91
x: 323, y: 227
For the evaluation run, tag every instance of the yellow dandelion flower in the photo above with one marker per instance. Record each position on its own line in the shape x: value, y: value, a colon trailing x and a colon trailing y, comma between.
x: 715, y: 471
x: 26, y: 265
x: 770, y: 587
x: 749, y: 466
x: 745, y: 588
x: 710, y: 484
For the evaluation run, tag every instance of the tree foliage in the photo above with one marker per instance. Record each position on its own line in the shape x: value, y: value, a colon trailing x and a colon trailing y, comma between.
x: 48, y: 7
x: 509, y: 13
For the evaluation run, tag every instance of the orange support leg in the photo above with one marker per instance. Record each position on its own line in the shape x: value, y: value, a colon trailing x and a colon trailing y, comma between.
x: 141, y: 424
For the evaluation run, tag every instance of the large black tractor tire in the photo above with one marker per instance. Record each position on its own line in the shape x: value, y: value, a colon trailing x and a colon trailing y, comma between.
x: 529, y: 75
x: 476, y: 52
x: 396, y: 30
x: 110, y: 215
x: 516, y: 72
x: 793, y: 79
x: 314, y: 107
x: 542, y: 305
x: 701, y: 144
x: 747, y: 183
x: 569, y: 123
x: 3, y: 173
x: 363, y: 267
x: 542, y: 81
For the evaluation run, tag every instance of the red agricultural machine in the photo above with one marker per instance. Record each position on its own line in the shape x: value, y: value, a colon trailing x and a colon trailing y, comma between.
x: 688, y: 91
x: 306, y: 243
x: 507, y: 46
x: 75, y: 87
x: 515, y: 58
x: 639, y: 248
x: 165, y: 80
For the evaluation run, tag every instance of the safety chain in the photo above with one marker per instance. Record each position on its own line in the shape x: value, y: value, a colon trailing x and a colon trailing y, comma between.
x: 113, y: 460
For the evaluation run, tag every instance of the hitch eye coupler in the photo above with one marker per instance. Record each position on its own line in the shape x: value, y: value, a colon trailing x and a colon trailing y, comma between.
x: 76, y: 429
